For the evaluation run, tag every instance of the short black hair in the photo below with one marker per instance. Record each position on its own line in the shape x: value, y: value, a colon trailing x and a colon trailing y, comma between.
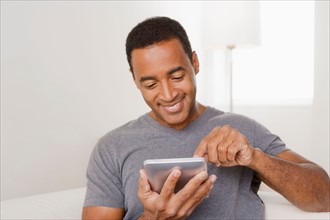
x: 154, y: 30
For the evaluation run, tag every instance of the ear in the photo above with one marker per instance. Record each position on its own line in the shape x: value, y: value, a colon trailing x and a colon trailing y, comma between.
x: 195, y: 62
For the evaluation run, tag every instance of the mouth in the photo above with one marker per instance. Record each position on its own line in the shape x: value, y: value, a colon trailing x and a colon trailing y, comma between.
x: 173, y: 108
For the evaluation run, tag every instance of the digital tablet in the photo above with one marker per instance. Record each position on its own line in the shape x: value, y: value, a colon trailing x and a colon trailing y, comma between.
x: 158, y: 170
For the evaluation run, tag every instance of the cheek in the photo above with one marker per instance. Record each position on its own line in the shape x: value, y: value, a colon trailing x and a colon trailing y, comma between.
x: 148, y: 96
x: 190, y: 86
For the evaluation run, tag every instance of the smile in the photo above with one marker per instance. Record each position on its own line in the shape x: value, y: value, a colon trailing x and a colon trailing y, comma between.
x: 174, y: 108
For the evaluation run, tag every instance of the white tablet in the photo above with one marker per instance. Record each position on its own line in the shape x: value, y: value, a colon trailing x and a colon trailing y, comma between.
x: 158, y: 170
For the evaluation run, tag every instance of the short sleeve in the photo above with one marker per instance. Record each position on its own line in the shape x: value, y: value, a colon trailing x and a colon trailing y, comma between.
x: 104, y: 187
x: 267, y: 141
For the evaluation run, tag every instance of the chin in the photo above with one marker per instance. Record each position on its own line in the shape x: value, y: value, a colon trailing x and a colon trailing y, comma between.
x: 175, y: 121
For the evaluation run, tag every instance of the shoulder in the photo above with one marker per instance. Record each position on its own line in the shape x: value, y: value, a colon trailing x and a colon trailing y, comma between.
x: 235, y: 120
x: 111, y: 143
x: 129, y: 129
x: 255, y: 131
x: 258, y: 135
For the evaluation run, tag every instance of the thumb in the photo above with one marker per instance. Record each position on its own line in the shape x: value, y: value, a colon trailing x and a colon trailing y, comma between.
x: 144, y: 186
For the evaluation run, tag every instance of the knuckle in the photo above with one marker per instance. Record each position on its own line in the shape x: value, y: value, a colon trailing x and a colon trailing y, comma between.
x: 232, y: 150
x: 171, y: 212
x: 182, y: 213
x: 235, y: 131
x: 212, y: 143
x: 184, y: 195
x: 226, y: 127
x: 221, y: 150
x: 216, y: 129
x: 198, y: 197
x: 243, y: 138
x: 160, y: 205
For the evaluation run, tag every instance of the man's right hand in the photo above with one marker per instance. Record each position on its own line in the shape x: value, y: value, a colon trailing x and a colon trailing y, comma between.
x: 167, y: 204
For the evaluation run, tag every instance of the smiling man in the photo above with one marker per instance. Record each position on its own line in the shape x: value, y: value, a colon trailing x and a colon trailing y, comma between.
x: 240, y: 152
x: 166, y: 78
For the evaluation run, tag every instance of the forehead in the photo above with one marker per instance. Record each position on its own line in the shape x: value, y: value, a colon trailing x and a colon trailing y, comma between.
x: 159, y: 57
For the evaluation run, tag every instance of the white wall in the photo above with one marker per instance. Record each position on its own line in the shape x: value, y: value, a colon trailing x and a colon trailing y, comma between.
x: 305, y: 128
x: 65, y: 83
x: 320, y: 126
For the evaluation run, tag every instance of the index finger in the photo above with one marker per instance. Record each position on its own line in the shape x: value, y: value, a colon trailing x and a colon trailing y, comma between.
x: 170, y: 183
x: 201, y: 149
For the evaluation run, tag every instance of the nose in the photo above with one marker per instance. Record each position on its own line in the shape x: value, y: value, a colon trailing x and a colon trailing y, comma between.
x: 167, y: 92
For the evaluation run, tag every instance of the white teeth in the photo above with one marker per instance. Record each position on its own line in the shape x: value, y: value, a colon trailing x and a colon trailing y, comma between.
x: 174, y: 106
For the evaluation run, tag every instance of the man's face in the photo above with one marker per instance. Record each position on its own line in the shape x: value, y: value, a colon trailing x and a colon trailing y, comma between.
x: 166, y: 78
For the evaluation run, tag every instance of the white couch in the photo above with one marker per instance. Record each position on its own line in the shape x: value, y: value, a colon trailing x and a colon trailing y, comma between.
x: 68, y: 205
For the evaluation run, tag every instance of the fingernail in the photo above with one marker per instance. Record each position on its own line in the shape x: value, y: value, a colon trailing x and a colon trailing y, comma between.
x: 143, y: 175
x: 176, y: 173
x: 203, y: 175
x: 213, y: 178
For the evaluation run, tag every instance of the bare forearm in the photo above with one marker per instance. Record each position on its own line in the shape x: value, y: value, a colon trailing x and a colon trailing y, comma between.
x: 304, y: 184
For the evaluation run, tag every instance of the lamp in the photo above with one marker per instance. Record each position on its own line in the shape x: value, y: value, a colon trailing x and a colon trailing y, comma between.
x: 227, y: 25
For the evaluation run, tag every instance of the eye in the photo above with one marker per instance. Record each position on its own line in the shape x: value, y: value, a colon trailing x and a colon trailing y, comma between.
x: 150, y: 85
x: 177, y: 78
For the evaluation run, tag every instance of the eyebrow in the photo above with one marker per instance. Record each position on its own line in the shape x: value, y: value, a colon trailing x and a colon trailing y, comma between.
x: 170, y: 72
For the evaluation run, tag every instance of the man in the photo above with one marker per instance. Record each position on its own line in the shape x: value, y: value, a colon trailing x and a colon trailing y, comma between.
x: 240, y: 152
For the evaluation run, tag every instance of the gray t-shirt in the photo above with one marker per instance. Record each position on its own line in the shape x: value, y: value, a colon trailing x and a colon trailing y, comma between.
x: 113, y: 170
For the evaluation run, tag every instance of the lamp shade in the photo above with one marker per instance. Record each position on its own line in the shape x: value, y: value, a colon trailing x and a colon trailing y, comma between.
x: 230, y: 23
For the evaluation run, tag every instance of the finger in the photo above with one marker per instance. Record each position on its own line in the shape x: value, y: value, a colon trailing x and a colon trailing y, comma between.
x: 144, y: 186
x: 189, y: 189
x: 169, y: 185
x: 201, y: 149
x: 238, y: 153
x: 234, y: 145
x: 231, y: 137
x: 201, y: 193
x: 206, y: 156
x: 244, y: 152
x: 219, y: 135
x: 213, y: 149
x: 232, y: 151
x: 226, y: 144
